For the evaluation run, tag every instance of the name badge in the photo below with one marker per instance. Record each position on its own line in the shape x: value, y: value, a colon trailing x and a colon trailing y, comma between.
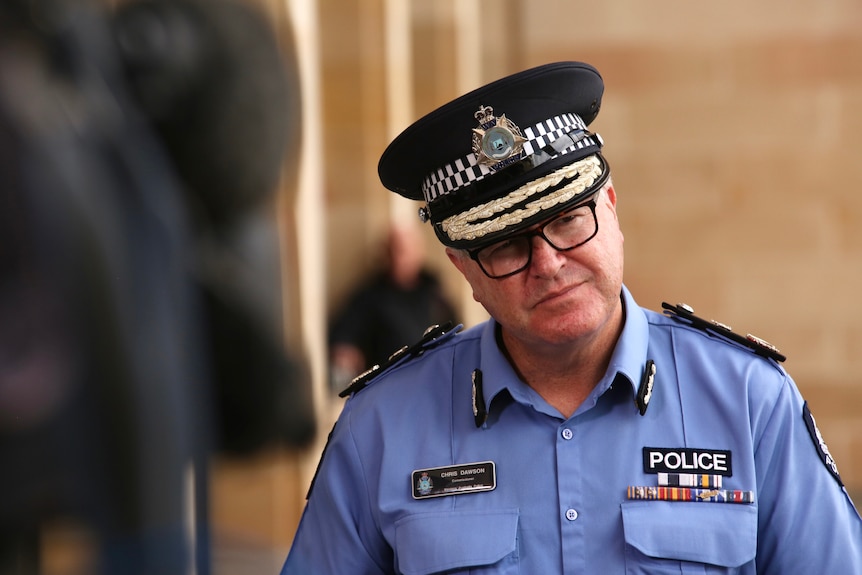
x: 454, y: 480
x: 686, y: 460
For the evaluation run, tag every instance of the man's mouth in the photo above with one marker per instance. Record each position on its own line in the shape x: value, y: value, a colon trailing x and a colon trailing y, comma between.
x: 556, y: 294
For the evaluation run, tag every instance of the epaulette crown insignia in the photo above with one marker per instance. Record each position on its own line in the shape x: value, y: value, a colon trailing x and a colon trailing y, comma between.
x: 685, y: 312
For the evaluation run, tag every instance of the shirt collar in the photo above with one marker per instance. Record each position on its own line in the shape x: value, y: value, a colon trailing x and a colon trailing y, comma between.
x: 627, y: 360
x: 630, y: 353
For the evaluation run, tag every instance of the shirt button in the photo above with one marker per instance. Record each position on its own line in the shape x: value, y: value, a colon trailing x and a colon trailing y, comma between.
x: 571, y: 514
x: 567, y: 434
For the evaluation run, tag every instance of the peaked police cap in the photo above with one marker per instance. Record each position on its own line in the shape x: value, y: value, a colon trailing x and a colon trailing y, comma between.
x: 503, y: 157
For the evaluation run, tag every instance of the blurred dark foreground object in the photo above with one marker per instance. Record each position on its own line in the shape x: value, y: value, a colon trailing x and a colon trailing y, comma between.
x: 223, y: 102
x: 139, y: 150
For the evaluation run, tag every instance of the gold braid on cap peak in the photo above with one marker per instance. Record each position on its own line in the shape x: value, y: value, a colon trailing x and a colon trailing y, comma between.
x: 460, y: 226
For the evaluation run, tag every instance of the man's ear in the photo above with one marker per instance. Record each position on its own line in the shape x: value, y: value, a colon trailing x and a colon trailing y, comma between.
x: 457, y: 258
x: 612, y: 195
x: 612, y: 201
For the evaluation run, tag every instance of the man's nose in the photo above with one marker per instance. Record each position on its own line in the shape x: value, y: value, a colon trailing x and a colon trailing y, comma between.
x: 545, y: 259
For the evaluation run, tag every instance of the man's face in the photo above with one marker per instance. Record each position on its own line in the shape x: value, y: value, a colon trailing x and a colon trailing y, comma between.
x: 562, y: 297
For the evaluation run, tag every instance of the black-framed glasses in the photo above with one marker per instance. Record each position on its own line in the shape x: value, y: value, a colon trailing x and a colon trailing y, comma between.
x: 570, y: 229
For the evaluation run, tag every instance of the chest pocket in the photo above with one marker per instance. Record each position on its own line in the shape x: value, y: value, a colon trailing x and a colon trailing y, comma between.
x: 688, y: 537
x: 471, y: 542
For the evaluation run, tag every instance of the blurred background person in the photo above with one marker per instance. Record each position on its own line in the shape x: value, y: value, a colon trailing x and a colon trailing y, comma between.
x: 390, y: 308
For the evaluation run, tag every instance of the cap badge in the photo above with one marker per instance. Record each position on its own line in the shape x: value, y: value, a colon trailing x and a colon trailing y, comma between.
x: 497, y: 142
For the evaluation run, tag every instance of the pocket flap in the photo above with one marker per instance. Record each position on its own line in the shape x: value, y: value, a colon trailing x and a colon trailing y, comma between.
x: 723, y: 534
x: 438, y: 541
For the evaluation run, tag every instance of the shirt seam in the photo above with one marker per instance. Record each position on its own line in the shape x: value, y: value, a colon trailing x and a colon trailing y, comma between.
x: 371, y: 510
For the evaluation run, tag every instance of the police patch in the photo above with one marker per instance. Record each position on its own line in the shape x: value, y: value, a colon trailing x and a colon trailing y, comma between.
x: 688, y: 460
x: 820, y: 444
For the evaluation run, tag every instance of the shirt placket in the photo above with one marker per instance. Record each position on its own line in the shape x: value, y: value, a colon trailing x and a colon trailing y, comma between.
x: 571, y: 497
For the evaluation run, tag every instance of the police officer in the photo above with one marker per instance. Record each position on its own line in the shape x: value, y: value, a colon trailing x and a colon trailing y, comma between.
x: 573, y: 432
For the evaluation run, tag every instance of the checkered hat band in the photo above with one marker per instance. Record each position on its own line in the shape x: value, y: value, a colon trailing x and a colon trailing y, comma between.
x: 466, y: 170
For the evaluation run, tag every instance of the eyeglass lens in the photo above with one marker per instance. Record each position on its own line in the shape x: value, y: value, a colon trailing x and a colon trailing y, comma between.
x: 567, y: 231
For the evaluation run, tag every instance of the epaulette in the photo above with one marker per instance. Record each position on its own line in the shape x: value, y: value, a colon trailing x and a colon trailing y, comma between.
x: 432, y: 337
x: 684, y: 312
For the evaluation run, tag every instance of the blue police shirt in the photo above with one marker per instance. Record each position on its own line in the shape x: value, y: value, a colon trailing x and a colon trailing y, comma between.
x: 556, y: 500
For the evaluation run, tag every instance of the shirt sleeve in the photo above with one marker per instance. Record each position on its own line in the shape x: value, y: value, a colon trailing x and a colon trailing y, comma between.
x: 807, y: 522
x: 337, y: 533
